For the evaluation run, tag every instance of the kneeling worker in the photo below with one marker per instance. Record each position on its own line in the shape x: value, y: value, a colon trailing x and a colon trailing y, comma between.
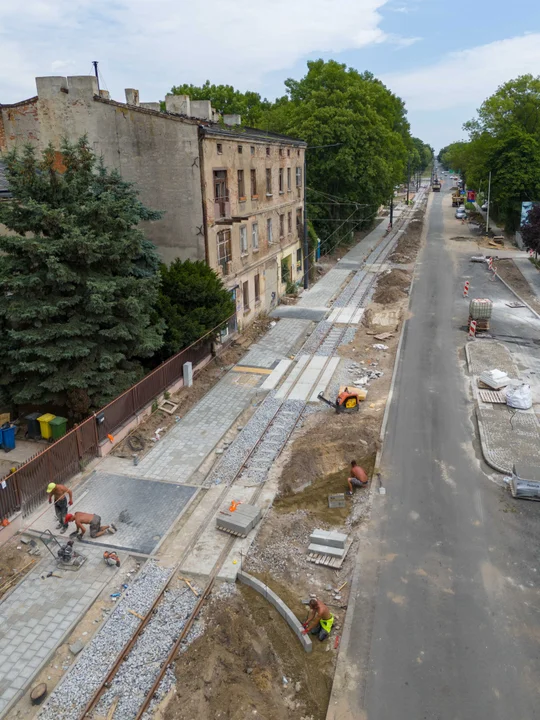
x: 319, y: 621
x: 96, y: 528
x: 358, y: 477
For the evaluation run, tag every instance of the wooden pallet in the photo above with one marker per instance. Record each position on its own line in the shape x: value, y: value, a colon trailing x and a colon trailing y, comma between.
x: 329, y: 561
x: 492, y: 396
x: 231, y: 532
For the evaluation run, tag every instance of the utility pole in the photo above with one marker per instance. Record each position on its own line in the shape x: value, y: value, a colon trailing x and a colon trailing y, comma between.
x: 489, y: 198
x: 95, y: 64
x: 306, y: 243
x: 408, y: 177
x: 392, y: 210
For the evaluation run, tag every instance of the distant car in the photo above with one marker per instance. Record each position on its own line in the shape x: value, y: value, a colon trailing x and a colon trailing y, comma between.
x: 485, y: 206
x: 461, y: 214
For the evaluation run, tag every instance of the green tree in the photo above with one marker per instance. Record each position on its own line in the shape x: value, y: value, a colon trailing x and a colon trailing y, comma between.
x: 78, y: 281
x: 192, y: 301
x: 530, y: 230
x: 226, y: 100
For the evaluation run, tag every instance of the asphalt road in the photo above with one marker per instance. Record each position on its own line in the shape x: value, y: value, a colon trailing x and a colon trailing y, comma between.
x: 446, y: 625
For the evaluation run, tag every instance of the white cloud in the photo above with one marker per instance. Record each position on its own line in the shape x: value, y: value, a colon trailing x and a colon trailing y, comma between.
x: 152, y: 44
x: 467, y: 77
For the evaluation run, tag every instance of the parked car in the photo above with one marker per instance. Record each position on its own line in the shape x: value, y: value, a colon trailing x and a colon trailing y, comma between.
x: 485, y: 206
x: 461, y: 214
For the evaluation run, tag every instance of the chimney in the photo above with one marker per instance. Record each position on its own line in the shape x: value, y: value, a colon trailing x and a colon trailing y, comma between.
x: 48, y: 87
x: 151, y: 106
x: 83, y: 85
x: 132, y: 96
x: 105, y: 94
x: 232, y: 119
x: 201, y: 109
x: 178, y: 104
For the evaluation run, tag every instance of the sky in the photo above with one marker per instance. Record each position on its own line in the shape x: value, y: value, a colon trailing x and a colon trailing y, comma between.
x: 443, y: 59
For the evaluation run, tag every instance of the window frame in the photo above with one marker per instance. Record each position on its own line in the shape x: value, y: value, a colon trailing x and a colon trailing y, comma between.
x: 253, y: 182
x: 245, y: 296
x: 289, y: 222
x: 257, y: 288
x: 281, y: 186
x: 289, y: 180
x: 298, y: 176
x: 219, y: 147
x: 255, y: 236
x: 269, y: 188
x: 282, y: 226
x: 244, y: 250
x: 240, y: 177
x: 269, y: 231
x: 224, y: 257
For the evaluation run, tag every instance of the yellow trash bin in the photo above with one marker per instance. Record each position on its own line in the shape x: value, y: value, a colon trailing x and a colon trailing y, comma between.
x: 46, y: 430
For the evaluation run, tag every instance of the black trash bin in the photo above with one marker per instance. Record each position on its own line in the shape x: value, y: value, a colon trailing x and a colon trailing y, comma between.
x: 33, y: 430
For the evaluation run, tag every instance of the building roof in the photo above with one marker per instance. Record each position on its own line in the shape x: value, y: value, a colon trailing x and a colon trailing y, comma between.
x: 248, y: 133
x: 4, y: 187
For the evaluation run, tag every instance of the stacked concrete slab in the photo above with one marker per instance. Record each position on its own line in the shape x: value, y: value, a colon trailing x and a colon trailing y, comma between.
x: 240, y: 521
x: 327, y: 542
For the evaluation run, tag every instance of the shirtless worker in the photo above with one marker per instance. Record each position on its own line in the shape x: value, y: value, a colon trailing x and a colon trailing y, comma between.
x: 319, y: 621
x: 96, y: 528
x: 60, y: 493
x: 358, y: 477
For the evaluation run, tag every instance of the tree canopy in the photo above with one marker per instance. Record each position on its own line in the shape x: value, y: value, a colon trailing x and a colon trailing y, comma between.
x: 504, y: 139
x: 192, y: 301
x: 78, y: 281
x: 226, y: 100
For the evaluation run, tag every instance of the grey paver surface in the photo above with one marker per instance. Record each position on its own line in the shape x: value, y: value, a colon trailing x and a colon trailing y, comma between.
x: 39, y: 613
x: 276, y: 343
x: 530, y: 273
x: 180, y: 452
x: 142, y: 510
x: 488, y: 355
x: 508, y: 436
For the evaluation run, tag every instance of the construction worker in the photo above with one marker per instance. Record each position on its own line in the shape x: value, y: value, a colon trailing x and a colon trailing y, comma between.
x: 60, y: 493
x: 319, y: 621
x: 94, y: 521
x: 358, y: 477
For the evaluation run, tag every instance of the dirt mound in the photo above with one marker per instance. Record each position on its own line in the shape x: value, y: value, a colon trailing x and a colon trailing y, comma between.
x: 381, y: 317
x: 409, y: 243
x: 323, y: 450
x: 236, y: 669
x: 391, y: 287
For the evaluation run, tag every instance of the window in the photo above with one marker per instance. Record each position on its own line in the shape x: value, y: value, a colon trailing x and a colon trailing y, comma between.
x: 298, y: 153
x: 257, y: 280
x: 219, y: 148
x: 268, y: 181
x: 241, y: 186
x: 221, y: 194
x: 252, y: 148
x: 286, y: 269
x: 280, y: 152
x: 298, y: 177
x: 282, y: 226
x: 299, y: 220
x: 299, y: 259
x: 289, y: 179
x: 224, y: 248
x: 245, y: 295
x: 289, y: 222
x: 254, y: 184
x: 243, y: 240
x: 268, y: 151
x: 269, y: 230
x: 280, y: 175
x: 255, y: 236
x: 288, y: 152
x: 239, y: 149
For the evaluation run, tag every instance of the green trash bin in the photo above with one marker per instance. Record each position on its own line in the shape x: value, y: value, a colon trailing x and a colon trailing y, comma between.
x: 58, y: 427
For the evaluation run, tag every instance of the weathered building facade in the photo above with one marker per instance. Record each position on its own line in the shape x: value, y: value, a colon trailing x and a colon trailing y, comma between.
x: 230, y: 195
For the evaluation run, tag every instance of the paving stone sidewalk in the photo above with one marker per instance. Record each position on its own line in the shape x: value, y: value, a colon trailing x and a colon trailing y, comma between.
x: 489, y: 355
x: 38, y: 614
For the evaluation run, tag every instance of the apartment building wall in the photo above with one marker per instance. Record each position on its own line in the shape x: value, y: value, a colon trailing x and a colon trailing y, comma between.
x: 157, y: 151
x: 255, y: 228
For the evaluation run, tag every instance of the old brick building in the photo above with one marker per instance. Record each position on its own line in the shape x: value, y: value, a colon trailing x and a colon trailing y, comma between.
x: 230, y: 195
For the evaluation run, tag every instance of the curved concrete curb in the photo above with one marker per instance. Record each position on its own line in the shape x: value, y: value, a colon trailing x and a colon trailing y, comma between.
x: 485, y: 447
x: 515, y: 293
x: 280, y: 606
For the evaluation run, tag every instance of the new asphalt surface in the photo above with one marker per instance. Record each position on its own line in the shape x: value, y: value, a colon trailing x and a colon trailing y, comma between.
x: 446, y: 620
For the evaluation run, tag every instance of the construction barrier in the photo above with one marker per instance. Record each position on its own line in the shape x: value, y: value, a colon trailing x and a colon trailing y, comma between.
x: 466, y: 289
x: 472, y: 329
x: 490, y: 263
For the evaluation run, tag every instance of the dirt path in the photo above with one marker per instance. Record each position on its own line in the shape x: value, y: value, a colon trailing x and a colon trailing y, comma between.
x: 510, y: 273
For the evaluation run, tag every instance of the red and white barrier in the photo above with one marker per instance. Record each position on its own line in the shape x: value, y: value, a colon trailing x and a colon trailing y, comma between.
x: 466, y: 289
x: 490, y: 263
x: 472, y: 329
x: 531, y: 252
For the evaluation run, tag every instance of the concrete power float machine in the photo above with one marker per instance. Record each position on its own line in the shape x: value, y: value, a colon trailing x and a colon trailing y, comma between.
x: 348, y: 399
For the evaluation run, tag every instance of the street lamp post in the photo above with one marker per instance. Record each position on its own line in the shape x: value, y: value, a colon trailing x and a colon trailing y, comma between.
x: 489, y: 197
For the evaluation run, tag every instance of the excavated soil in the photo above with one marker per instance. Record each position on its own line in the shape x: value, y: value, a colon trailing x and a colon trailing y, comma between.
x: 392, y: 287
x: 236, y: 670
x: 409, y: 242
x: 14, y: 564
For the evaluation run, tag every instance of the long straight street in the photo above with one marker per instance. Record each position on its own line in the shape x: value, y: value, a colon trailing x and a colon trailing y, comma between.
x: 445, y: 623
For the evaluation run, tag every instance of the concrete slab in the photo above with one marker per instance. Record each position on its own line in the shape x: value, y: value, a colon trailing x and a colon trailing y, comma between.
x: 293, y: 376
x: 326, y: 550
x: 325, y: 379
x: 308, y: 378
x: 142, y: 510
x: 327, y: 537
x: 278, y: 372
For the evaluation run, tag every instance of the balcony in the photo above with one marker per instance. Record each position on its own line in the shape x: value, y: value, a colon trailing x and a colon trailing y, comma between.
x: 222, y: 211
